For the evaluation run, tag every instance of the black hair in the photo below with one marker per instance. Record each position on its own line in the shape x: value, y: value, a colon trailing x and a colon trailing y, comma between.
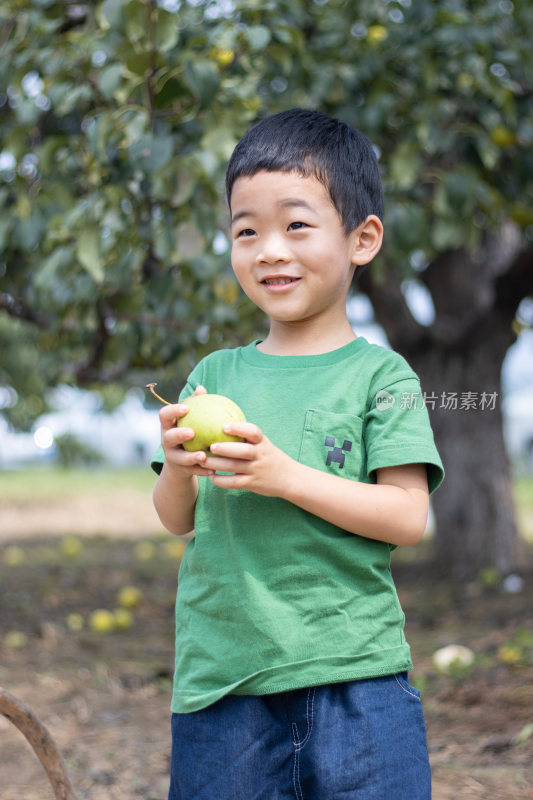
x: 314, y: 144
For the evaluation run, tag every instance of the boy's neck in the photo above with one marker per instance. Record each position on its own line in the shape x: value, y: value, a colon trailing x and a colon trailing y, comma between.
x: 286, y: 339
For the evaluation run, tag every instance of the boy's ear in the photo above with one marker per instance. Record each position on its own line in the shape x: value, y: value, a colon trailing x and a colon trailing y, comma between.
x: 368, y: 238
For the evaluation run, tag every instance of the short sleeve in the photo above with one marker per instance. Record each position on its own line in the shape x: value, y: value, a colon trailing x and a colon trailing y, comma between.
x: 158, y: 459
x: 397, y: 430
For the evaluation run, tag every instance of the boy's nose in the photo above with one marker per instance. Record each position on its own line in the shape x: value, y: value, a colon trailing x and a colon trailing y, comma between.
x: 272, y: 251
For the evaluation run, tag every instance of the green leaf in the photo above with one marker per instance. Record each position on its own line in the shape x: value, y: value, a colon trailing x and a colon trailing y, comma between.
x: 446, y: 234
x: 67, y: 96
x: 220, y: 142
x: 258, y: 36
x: 139, y: 63
x: 48, y: 150
x: 28, y: 232
x: 183, y: 186
x: 202, y: 79
x: 460, y: 192
x: 135, y: 126
x: 406, y: 224
x: 488, y: 152
x: 5, y: 227
x: 189, y: 242
x: 152, y: 153
x: 109, y: 80
x: 405, y: 164
x: 168, y: 93
x: 47, y: 275
x: 166, y: 31
x: 89, y: 254
x: 137, y: 20
x: 111, y: 13
x: 14, y: 141
x: 283, y: 35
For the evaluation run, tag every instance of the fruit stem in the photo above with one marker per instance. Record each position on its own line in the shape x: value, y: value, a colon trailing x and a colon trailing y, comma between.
x: 151, y: 387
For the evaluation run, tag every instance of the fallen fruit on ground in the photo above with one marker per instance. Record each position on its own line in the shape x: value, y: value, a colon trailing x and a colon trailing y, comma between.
x: 144, y: 551
x: 453, y: 657
x: 123, y: 619
x: 129, y: 597
x: 102, y: 621
x: 71, y: 546
x: 14, y: 556
x: 15, y: 640
x: 75, y: 622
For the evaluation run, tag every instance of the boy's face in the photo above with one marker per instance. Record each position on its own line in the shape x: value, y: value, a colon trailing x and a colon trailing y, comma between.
x: 289, y: 252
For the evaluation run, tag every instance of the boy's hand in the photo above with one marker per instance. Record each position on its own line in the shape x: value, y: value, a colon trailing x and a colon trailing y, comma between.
x: 180, y: 461
x: 256, y: 464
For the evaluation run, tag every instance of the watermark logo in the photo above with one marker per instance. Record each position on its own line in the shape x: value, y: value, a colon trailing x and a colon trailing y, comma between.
x: 384, y: 400
x: 448, y: 401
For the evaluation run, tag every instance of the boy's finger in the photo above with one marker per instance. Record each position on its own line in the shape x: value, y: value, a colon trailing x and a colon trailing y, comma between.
x: 246, y: 430
x: 196, y: 460
x: 235, y: 450
x: 236, y: 481
x: 199, y: 390
x: 174, y: 437
x: 191, y: 467
x: 225, y: 465
x: 169, y: 415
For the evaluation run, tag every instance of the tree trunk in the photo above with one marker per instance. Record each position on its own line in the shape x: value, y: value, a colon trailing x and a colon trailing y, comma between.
x: 474, y: 509
x: 459, y: 358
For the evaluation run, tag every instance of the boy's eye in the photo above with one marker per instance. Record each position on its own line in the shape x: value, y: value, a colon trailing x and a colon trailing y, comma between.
x: 246, y: 232
x: 296, y: 226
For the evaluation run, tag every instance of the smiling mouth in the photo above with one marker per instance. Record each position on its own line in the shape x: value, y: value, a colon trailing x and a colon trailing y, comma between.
x: 278, y: 281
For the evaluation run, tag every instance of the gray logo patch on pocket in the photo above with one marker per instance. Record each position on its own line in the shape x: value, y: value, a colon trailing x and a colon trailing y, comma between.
x: 337, y: 454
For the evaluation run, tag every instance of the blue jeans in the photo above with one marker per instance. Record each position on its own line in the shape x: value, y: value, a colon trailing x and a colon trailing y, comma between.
x: 362, y: 740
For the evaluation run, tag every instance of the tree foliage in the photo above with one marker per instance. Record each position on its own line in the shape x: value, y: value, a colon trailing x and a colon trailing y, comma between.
x: 117, y: 119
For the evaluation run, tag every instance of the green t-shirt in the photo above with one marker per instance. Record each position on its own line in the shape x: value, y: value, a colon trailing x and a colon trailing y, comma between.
x: 271, y: 597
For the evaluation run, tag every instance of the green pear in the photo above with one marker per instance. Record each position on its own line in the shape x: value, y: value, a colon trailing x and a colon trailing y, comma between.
x: 206, y: 415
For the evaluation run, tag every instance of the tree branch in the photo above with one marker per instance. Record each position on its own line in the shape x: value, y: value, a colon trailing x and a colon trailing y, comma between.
x: 391, y: 309
x: 467, y: 287
x: 41, y: 741
x: 6, y: 32
x: 99, y: 342
x: 152, y: 320
x: 19, y: 309
x: 90, y: 371
x: 76, y: 14
x: 151, y: 264
x: 86, y: 374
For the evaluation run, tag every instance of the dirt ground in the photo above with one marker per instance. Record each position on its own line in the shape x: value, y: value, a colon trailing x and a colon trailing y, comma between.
x: 117, y: 513
x: 105, y: 697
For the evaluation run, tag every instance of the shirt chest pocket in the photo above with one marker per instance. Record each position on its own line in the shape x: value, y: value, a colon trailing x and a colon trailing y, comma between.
x: 333, y: 443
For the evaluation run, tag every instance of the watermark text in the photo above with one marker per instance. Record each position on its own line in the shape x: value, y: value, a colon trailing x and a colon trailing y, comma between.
x: 447, y: 401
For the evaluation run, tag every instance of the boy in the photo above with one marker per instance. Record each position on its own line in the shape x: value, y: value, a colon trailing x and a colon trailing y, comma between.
x: 291, y: 661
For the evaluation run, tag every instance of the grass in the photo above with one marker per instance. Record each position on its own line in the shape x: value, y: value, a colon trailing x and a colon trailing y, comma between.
x: 50, y: 482
x: 54, y: 482
x: 523, y: 494
x: 523, y: 491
